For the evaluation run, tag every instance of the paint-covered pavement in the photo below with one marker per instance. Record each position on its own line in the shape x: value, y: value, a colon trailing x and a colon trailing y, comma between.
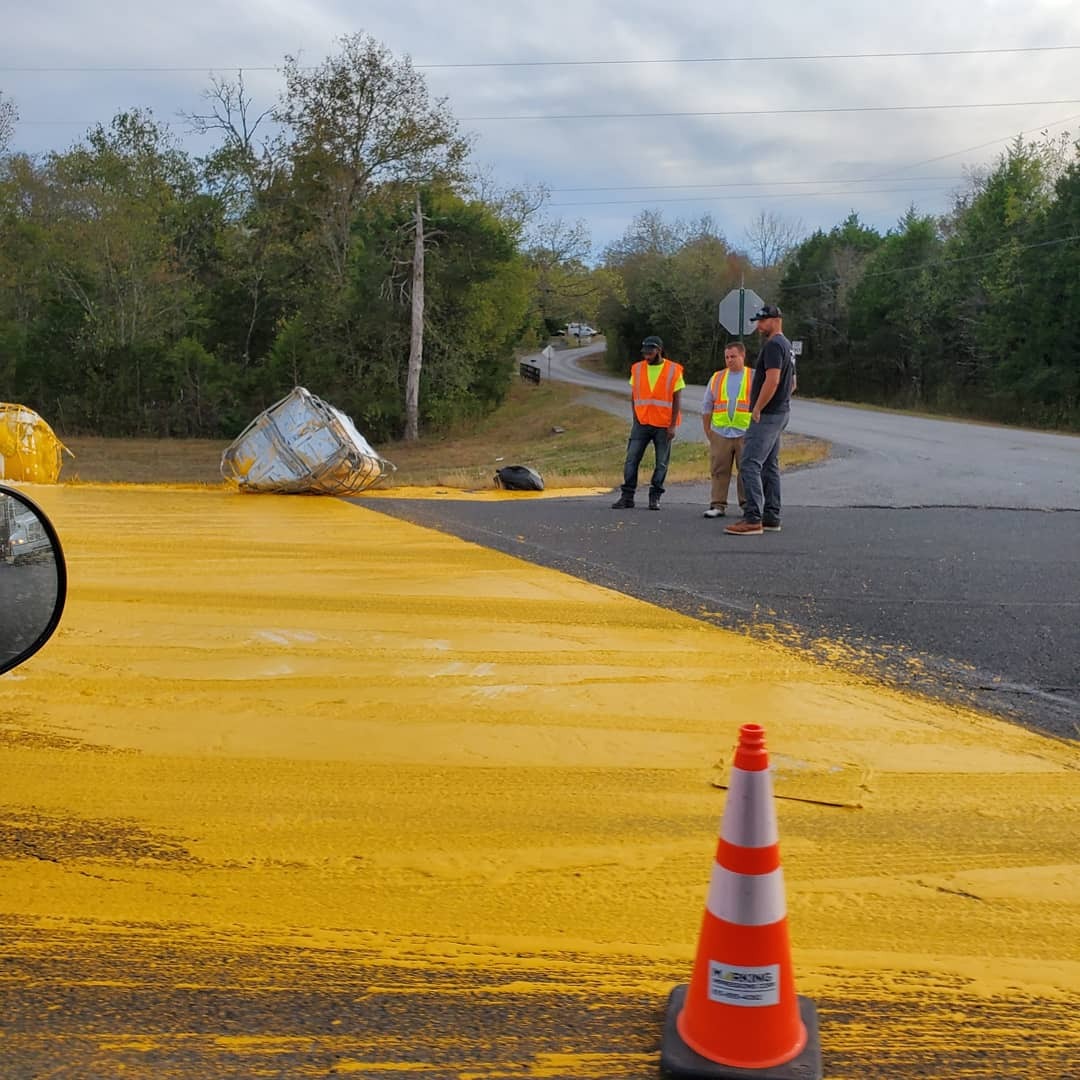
x: 303, y: 790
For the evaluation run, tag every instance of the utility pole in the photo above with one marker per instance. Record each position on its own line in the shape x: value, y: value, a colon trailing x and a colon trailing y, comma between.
x: 416, y: 338
x: 742, y: 303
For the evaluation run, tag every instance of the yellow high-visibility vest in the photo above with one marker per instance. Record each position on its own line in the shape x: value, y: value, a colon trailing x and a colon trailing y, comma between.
x: 721, y: 402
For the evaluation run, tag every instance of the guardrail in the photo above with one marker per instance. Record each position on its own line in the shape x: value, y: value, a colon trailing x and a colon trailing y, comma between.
x: 529, y: 372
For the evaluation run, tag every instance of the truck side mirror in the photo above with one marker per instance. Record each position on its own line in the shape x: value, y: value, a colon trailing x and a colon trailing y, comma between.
x: 33, y: 578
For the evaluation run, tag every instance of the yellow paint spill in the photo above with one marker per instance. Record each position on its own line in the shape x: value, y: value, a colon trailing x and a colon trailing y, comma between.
x: 295, y: 719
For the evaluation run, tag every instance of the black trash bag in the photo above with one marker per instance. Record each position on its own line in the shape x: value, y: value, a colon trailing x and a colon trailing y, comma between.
x: 519, y: 478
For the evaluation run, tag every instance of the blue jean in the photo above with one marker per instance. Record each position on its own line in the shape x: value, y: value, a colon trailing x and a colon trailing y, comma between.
x: 761, y: 467
x: 640, y: 437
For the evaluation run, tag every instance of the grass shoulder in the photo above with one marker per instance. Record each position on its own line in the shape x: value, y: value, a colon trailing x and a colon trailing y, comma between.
x: 546, y: 426
x: 549, y: 427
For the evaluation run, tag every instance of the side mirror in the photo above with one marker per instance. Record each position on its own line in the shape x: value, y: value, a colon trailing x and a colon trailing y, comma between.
x: 33, y: 578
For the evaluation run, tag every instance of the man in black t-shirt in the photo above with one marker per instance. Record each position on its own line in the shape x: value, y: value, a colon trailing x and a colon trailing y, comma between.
x: 770, y: 406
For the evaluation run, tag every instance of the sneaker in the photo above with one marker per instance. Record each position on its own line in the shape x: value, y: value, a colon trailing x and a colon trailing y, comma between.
x: 771, y: 526
x: 623, y: 503
x: 714, y: 512
x: 654, y: 502
x: 744, y: 528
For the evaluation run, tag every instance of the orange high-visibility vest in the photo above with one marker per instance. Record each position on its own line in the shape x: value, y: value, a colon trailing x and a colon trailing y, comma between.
x: 653, y: 404
x: 718, y: 388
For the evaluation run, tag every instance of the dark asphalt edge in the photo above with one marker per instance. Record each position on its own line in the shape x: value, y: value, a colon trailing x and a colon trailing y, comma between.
x: 925, y: 675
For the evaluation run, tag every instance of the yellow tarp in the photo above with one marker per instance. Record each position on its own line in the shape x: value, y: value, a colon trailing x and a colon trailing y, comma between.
x: 29, y: 449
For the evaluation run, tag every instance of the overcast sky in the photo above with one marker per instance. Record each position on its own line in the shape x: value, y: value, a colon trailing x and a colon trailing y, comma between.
x: 810, y: 166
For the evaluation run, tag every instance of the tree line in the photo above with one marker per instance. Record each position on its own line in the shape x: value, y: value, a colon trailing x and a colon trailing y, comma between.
x: 975, y: 312
x: 144, y: 290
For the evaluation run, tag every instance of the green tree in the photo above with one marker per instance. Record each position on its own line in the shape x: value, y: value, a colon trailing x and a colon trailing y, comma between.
x: 478, y: 290
x: 359, y: 120
x: 565, y: 289
x: 247, y: 172
x: 672, y: 276
x: 988, y: 286
x: 122, y: 260
x: 814, y: 294
x: 1039, y: 380
x: 893, y: 313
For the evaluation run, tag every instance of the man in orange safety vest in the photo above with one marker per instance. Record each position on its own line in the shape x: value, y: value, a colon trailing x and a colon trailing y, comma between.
x: 656, y: 388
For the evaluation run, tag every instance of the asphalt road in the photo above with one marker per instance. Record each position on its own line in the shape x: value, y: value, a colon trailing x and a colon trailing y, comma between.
x: 883, y: 459
x: 942, y: 556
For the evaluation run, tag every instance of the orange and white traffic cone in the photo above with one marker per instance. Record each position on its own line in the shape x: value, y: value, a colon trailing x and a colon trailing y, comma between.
x: 740, y: 1017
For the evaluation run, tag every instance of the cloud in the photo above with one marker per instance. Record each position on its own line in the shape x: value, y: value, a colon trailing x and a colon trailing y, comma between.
x: 770, y: 151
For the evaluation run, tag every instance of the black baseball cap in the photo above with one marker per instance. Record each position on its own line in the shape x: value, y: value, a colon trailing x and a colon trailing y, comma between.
x: 652, y: 342
x: 767, y: 311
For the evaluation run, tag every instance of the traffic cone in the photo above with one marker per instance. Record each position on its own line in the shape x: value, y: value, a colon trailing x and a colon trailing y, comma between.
x: 740, y: 1017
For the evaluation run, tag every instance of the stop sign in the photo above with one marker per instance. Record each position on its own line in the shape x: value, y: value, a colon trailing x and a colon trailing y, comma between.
x: 729, y: 310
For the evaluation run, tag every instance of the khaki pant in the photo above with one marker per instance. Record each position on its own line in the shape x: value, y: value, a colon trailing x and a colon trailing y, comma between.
x: 723, y: 455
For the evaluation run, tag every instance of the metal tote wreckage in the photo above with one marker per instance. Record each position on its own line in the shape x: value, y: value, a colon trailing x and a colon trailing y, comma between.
x: 303, y: 445
x: 300, y: 445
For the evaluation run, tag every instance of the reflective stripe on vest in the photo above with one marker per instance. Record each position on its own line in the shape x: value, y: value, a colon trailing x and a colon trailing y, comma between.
x: 718, y: 387
x: 653, y: 405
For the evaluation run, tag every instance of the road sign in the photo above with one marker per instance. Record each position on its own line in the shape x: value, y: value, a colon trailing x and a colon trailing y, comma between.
x: 796, y: 348
x: 739, y: 302
x: 547, y: 354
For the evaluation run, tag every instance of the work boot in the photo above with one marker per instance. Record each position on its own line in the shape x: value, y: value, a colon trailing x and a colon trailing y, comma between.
x: 744, y: 528
x: 624, y: 502
x: 654, y: 502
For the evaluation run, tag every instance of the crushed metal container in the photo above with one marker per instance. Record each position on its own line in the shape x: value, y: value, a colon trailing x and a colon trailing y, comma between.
x: 29, y: 449
x: 302, y: 445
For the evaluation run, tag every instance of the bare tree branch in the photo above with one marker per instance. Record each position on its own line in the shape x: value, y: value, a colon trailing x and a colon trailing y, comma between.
x: 771, y: 238
x: 9, y: 117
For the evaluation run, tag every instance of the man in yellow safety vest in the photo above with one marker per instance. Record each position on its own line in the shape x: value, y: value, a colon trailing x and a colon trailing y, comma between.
x: 656, y: 388
x: 725, y: 416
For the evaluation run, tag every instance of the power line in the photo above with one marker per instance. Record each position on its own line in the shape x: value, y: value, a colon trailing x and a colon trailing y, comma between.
x: 725, y: 112
x: 880, y: 178
x: 754, y: 59
x: 601, y: 62
x: 980, y: 146
x: 756, y: 195
x: 73, y: 123
x: 780, y: 183
x: 777, y: 112
x: 762, y: 183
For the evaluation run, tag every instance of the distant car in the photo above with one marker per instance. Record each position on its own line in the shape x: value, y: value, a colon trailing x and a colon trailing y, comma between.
x: 580, y: 330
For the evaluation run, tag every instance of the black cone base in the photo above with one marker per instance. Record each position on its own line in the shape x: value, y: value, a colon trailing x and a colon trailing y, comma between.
x: 677, y: 1059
